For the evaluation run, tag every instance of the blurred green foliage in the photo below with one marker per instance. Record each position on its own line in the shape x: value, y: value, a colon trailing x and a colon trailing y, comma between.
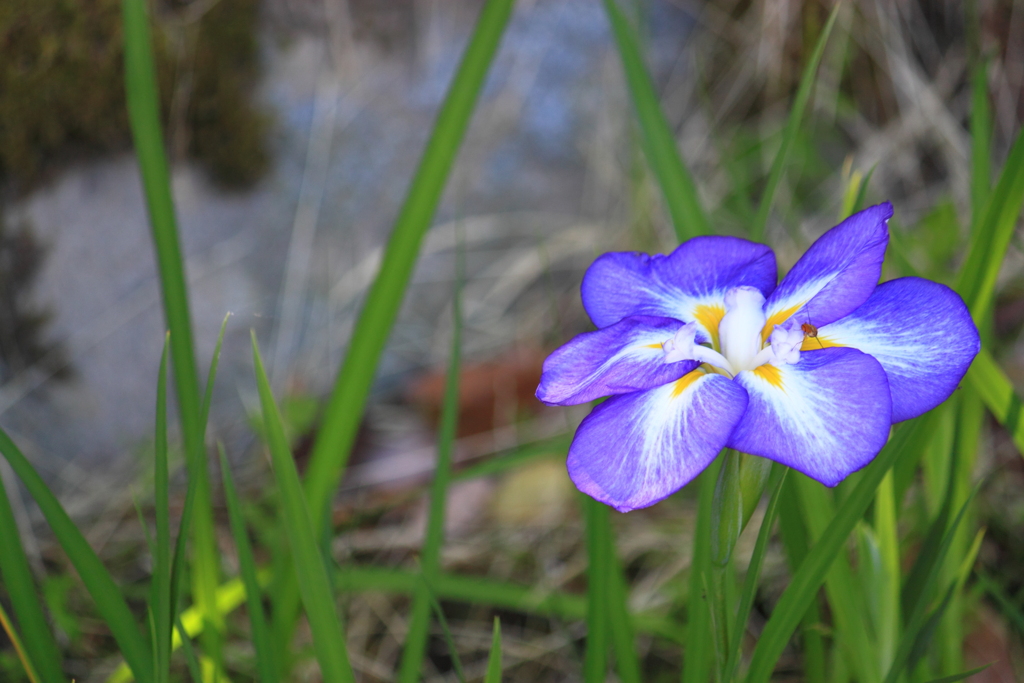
x: 63, y: 86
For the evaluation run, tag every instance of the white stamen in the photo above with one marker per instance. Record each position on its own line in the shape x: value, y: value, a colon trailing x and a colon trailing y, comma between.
x: 740, y: 329
x: 683, y: 346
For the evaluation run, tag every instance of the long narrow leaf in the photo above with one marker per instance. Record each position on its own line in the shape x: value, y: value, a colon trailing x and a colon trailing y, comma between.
x: 789, y: 133
x: 997, y: 392
x: 416, y: 639
x: 160, y: 596
x: 345, y: 408
x: 41, y: 648
x: 314, y: 585
x: 697, y: 663
x: 749, y: 591
x: 494, y: 658
x: 143, y: 114
x: 805, y: 583
x: 19, y: 648
x: 261, y: 641
x: 659, y: 143
x: 623, y: 644
x: 110, y: 603
x: 595, y: 658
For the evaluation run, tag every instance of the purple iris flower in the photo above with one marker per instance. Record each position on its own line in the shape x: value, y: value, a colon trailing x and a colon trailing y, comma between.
x: 700, y: 350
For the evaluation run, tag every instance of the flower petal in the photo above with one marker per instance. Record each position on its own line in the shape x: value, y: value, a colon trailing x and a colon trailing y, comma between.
x: 826, y: 416
x: 620, y: 359
x: 837, y: 274
x: 922, y: 334
x: 696, y: 274
x: 636, y: 449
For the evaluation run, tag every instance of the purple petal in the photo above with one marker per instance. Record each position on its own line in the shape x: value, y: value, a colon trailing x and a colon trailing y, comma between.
x: 837, y: 274
x: 620, y: 359
x: 826, y: 416
x: 636, y: 449
x: 922, y: 334
x: 697, y: 273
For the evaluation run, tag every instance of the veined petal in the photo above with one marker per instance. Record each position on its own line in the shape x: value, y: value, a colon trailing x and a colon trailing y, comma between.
x: 922, y: 334
x: 689, y: 284
x: 836, y: 275
x: 826, y: 416
x: 620, y: 359
x: 636, y: 449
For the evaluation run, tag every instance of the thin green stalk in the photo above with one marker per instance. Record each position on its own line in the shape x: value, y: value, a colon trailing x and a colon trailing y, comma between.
x: 623, y: 644
x: 595, y: 661
x: 697, y: 662
x: 314, y: 584
x: 658, y: 141
x: 143, y: 102
x: 493, y: 674
x: 160, y: 599
x: 41, y: 648
x: 110, y: 604
x: 789, y: 133
x: 345, y: 407
x: 808, y: 578
x: 261, y: 641
x: 430, y: 558
x: 19, y: 648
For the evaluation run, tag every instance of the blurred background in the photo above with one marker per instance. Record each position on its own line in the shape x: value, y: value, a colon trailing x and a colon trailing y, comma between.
x: 295, y: 126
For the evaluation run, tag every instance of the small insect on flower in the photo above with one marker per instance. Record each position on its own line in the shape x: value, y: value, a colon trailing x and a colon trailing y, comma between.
x: 704, y: 349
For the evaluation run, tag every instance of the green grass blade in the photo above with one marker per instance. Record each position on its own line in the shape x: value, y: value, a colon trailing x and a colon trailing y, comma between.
x: 888, y: 601
x: 40, y: 647
x: 494, y: 658
x: 659, y: 142
x: 991, y: 236
x: 191, y: 661
x: 419, y: 622
x: 918, y: 613
x: 789, y: 133
x: 981, y: 141
x: 144, y: 117
x: 447, y: 633
x: 808, y: 578
x: 749, y: 590
x: 595, y: 659
x: 160, y: 598
x: 345, y: 408
x: 623, y: 645
x: 997, y: 393
x: 314, y: 585
x: 19, y: 647
x: 211, y: 376
x: 697, y: 659
x: 261, y: 641
x: 515, y: 457
x: 961, y: 676
x: 1010, y: 610
x: 110, y: 604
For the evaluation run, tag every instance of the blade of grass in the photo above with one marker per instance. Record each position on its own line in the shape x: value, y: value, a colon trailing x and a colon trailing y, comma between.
x: 595, y: 659
x: 749, y: 590
x: 658, y: 140
x: 160, y: 598
x: 41, y: 648
x: 261, y: 641
x: 520, y: 455
x: 430, y: 562
x: 887, y: 533
x: 918, y: 615
x: 697, y: 662
x: 997, y: 393
x: 991, y: 236
x: 981, y: 141
x: 345, y: 407
x: 143, y: 102
x: 447, y: 633
x: 494, y: 657
x: 314, y: 585
x: 961, y: 676
x: 191, y: 661
x: 110, y: 604
x: 1010, y: 610
x: 19, y: 648
x: 789, y: 133
x: 808, y: 578
x: 623, y: 645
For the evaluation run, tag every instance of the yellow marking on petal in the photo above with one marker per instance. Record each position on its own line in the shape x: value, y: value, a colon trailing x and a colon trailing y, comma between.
x: 771, y: 374
x: 659, y: 345
x: 685, y: 381
x: 819, y: 342
x: 778, y: 318
x: 710, y: 316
